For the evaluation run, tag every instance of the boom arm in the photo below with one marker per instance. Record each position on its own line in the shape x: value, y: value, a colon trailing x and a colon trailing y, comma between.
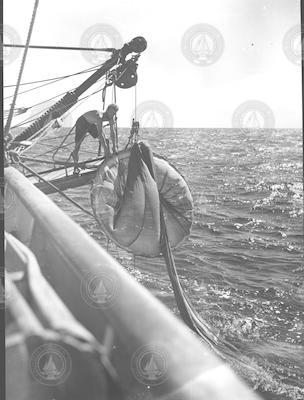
x: 137, y: 45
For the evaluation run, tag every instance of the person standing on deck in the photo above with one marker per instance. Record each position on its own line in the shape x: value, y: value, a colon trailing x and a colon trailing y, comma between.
x: 91, y: 122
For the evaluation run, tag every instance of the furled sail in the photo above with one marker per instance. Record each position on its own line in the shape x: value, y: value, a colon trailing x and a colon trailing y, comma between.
x: 126, y: 201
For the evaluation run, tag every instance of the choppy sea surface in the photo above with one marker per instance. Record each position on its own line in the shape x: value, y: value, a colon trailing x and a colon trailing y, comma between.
x: 242, y: 266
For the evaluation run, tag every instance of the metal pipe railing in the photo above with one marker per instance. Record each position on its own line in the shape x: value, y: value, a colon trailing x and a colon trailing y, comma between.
x: 67, y: 255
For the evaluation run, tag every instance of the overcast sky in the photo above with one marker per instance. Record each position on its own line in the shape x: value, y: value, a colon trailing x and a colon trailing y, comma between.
x: 246, y: 55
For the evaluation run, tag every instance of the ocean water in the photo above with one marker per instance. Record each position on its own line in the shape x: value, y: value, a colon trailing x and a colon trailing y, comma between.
x: 242, y: 266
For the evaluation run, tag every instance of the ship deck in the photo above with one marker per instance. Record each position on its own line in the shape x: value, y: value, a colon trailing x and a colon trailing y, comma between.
x: 63, y: 178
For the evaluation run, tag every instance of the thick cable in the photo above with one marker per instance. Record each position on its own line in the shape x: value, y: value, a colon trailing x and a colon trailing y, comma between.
x: 10, y: 117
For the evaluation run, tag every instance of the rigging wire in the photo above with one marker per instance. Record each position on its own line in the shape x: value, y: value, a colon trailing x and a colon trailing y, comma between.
x: 31, y: 119
x: 87, y: 70
x: 46, y: 84
x: 38, y: 113
x: 50, y: 150
x: 107, y: 49
x: 36, y: 87
x: 11, y: 113
x: 114, y: 96
x: 78, y: 103
x: 135, y: 101
x: 83, y: 99
x: 53, y: 81
x: 56, y: 189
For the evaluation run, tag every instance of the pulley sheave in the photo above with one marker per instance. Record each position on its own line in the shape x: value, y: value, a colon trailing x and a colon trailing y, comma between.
x: 126, y: 75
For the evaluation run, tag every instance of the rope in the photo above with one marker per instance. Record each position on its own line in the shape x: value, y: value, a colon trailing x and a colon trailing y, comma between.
x: 56, y: 189
x: 54, y: 148
x: 28, y: 120
x: 114, y: 100
x: 135, y: 100
x: 187, y: 312
x: 62, y: 142
x: 36, y: 87
x: 114, y: 97
x: 10, y: 117
x: 52, y: 80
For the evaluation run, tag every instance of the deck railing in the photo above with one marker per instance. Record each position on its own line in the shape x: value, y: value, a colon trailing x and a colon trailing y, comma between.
x: 128, y: 319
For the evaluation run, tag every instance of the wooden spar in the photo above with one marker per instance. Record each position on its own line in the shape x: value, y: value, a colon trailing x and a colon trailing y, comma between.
x: 66, y: 164
x: 136, y: 45
x: 55, y: 188
x: 40, y: 160
x: 63, y: 178
x: 61, y: 181
x: 110, y: 49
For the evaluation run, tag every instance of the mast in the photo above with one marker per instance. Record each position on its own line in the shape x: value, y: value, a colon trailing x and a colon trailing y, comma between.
x: 136, y: 45
x: 11, y: 111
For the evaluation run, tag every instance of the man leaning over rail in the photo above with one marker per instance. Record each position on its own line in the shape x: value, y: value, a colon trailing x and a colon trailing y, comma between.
x: 92, y: 122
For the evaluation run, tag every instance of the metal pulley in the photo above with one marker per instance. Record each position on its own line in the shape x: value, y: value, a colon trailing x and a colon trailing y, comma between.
x: 126, y: 75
